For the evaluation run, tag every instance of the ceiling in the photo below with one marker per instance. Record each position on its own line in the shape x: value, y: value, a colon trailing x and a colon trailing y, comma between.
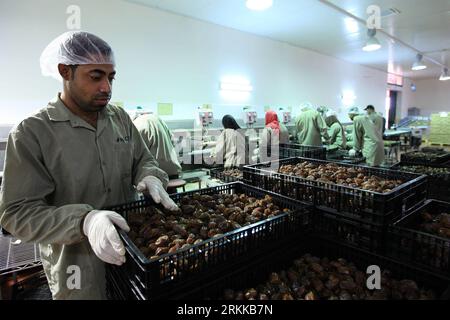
x: 316, y: 25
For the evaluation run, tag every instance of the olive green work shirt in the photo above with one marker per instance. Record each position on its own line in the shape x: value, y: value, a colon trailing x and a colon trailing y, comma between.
x: 57, y: 169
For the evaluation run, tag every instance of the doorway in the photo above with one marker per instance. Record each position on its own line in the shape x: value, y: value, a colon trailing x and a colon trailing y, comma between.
x: 393, y: 97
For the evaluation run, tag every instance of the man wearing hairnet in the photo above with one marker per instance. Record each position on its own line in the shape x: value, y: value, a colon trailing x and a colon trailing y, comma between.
x: 72, y: 158
x: 310, y: 127
x: 368, y: 138
x: 158, y: 139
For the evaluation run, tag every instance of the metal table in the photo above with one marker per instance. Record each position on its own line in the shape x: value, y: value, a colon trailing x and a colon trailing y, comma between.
x: 16, y: 256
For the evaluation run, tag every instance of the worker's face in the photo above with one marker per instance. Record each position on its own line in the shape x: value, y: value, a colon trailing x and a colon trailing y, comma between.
x: 90, y: 86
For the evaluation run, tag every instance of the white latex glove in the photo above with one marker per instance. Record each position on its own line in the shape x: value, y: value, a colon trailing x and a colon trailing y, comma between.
x: 352, y: 153
x: 99, y: 227
x: 153, y: 186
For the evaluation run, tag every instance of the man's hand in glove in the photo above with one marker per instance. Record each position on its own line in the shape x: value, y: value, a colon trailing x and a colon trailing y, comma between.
x: 153, y: 186
x: 99, y: 227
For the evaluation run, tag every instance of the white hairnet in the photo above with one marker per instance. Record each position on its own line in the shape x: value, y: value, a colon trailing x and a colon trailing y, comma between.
x: 330, y: 113
x: 354, y: 110
x: 306, y: 106
x: 74, y: 48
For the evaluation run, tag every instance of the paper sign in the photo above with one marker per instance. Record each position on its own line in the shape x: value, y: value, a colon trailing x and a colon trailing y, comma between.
x: 165, y: 109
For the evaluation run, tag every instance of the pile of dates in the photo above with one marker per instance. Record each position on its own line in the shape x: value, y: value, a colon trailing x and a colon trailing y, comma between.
x: 200, y: 217
x: 425, y: 170
x: 436, y: 224
x: 236, y: 173
x: 344, y: 176
x: 424, y: 157
x: 312, y: 278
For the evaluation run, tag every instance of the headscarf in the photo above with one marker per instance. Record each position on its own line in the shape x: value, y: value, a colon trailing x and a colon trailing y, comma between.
x: 229, y: 122
x: 272, y: 121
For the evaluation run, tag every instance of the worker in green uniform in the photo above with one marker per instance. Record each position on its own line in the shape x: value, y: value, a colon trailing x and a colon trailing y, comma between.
x: 311, y: 127
x: 69, y: 160
x: 335, y: 131
x: 368, y: 138
x: 158, y: 139
x: 352, y: 113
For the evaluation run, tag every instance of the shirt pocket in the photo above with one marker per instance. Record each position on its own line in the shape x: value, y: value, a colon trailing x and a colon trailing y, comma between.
x: 124, y: 158
x: 123, y: 154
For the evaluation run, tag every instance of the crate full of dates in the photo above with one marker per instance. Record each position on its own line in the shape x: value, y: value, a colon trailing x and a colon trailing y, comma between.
x: 322, y: 270
x: 426, y: 158
x: 423, y: 237
x: 227, y: 175
x: 370, y: 194
x: 168, y: 252
x: 314, y: 278
x: 438, y: 178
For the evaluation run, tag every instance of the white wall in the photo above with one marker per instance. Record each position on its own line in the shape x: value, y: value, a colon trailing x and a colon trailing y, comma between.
x: 431, y: 96
x: 162, y: 57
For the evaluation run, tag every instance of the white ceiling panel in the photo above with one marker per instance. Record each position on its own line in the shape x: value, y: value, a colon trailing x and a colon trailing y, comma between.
x: 423, y: 25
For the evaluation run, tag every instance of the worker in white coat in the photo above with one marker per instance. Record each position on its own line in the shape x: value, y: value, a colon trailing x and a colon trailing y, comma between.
x: 159, y: 141
x: 230, y: 148
x: 311, y: 128
x: 69, y: 160
x: 274, y: 134
x: 368, y: 138
x: 275, y: 127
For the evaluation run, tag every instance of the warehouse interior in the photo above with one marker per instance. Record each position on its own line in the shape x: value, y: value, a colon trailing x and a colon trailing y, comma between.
x: 356, y: 152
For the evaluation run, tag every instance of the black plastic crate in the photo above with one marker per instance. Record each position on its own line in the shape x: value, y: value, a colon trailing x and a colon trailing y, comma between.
x: 406, y: 242
x: 258, y: 271
x: 437, y: 157
x: 342, y: 156
x: 218, y: 173
x: 120, y: 287
x: 165, y: 276
x: 290, y: 150
x: 369, y: 206
x: 352, y: 232
x: 438, y: 184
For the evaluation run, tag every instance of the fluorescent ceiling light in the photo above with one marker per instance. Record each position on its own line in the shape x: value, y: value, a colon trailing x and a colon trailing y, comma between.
x: 418, y: 64
x: 259, y: 5
x: 372, y: 43
x: 348, y: 98
x: 351, y: 25
x: 445, y: 75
